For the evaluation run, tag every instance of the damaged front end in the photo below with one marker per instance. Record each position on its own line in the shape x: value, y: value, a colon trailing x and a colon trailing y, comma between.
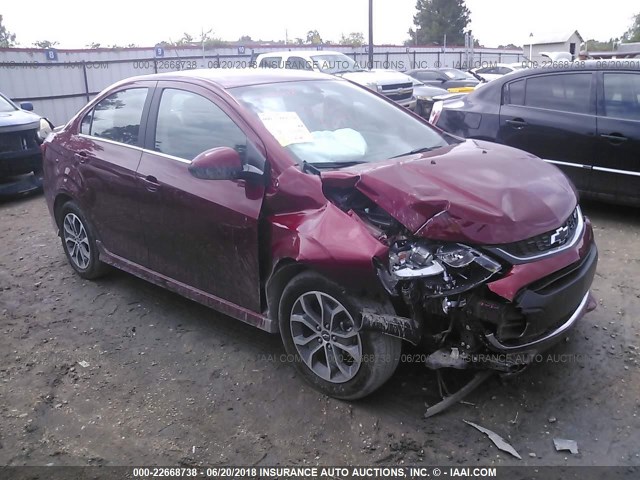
x: 444, y: 292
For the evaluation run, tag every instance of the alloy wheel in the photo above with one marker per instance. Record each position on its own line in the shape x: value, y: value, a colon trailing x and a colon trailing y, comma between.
x: 325, y: 336
x: 76, y: 241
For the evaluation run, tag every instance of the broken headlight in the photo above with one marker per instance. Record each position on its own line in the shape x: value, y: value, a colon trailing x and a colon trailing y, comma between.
x: 441, y: 268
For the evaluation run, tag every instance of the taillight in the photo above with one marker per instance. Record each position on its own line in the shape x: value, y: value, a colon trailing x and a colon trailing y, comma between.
x: 435, y: 112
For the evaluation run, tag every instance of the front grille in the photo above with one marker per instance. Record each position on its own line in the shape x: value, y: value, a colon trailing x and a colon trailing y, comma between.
x: 398, y: 91
x: 545, y: 242
x: 18, y: 141
x: 397, y: 86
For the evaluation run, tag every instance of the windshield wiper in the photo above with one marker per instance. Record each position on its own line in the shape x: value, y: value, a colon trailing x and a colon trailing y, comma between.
x: 320, y: 165
x: 417, y: 150
x: 309, y: 168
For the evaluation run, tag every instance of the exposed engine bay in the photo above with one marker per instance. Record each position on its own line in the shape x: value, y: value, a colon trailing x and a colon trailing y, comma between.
x: 440, y: 288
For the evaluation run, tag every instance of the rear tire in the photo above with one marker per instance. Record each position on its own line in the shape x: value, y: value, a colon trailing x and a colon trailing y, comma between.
x: 79, y: 242
x: 317, y: 320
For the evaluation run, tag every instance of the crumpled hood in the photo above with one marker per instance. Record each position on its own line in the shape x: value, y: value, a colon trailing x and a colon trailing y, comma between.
x: 17, y: 117
x: 474, y: 192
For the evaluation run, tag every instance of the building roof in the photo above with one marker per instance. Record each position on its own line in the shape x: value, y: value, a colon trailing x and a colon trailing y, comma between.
x: 558, y: 37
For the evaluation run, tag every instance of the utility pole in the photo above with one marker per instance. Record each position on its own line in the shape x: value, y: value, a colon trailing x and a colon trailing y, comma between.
x: 370, y: 33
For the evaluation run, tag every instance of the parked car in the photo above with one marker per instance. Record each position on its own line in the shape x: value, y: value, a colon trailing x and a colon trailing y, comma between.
x: 492, y: 72
x: 389, y: 83
x: 21, y: 133
x: 307, y: 205
x: 582, y: 117
x: 450, y: 79
x: 426, y: 96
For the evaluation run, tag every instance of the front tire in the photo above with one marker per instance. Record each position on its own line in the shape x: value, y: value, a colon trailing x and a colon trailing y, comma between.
x: 318, y: 323
x: 79, y: 242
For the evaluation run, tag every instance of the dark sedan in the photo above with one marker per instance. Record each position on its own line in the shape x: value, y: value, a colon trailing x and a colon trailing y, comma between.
x: 21, y: 133
x: 583, y: 117
x: 314, y: 208
x: 450, y: 79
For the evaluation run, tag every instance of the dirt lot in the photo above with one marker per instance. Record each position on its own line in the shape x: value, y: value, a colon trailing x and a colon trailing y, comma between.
x: 170, y: 382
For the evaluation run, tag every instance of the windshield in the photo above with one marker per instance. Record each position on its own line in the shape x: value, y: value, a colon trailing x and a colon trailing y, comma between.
x: 332, y: 123
x: 454, y: 74
x: 5, y: 105
x: 335, y: 63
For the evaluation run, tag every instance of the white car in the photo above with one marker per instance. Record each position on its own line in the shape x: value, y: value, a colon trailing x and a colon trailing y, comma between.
x: 497, y: 70
x: 394, y: 85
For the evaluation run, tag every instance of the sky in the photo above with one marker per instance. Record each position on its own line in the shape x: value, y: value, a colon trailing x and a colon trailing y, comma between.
x: 74, y: 24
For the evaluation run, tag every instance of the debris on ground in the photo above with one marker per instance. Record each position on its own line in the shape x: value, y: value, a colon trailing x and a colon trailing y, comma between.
x: 83, y: 364
x: 562, y: 444
x: 457, y: 397
x: 497, y: 440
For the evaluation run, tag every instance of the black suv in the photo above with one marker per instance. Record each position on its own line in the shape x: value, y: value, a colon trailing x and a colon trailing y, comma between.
x: 583, y: 117
x: 21, y: 133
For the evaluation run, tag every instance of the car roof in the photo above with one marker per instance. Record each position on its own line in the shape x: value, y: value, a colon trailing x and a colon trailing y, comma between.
x: 577, y: 66
x: 232, y: 77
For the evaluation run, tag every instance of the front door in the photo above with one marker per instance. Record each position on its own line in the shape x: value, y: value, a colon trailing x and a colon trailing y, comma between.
x: 203, y: 233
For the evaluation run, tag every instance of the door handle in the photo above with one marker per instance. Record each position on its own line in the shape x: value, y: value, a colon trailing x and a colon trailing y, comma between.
x: 151, y: 183
x: 615, y: 138
x: 81, y: 156
x: 517, y: 123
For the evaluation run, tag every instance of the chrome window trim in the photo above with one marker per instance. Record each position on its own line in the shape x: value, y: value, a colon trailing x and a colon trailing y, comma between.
x: 107, y: 140
x: 166, y: 155
x: 135, y: 147
x: 576, y: 237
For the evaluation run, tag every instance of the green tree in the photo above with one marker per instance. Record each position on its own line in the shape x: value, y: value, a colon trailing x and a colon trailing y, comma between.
x: 313, y: 37
x: 7, y: 39
x: 44, y: 44
x: 355, y: 39
x: 631, y: 35
x: 93, y: 45
x: 509, y: 46
x: 596, y: 46
x: 245, y: 38
x: 436, y: 18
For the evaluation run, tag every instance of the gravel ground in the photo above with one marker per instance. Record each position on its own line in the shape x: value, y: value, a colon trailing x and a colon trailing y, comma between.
x: 167, y: 381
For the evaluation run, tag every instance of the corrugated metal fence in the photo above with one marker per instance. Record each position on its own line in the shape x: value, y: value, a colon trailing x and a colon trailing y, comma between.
x: 59, y: 83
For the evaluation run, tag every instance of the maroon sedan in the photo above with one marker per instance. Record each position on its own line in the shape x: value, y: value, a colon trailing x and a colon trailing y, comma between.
x: 306, y: 205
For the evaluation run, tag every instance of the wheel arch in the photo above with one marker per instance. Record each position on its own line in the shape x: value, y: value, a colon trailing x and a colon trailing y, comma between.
x: 282, y: 273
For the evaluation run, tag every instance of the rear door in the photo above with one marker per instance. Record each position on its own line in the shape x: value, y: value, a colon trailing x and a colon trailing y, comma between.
x: 107, y: 153
x: 203, y: 233
x: 553, y: 117
x: 617, y: 166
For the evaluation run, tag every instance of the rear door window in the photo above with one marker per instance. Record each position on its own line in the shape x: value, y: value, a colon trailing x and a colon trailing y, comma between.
x: 622, y: 95
x: 118, y: 116
x: 566, y: 92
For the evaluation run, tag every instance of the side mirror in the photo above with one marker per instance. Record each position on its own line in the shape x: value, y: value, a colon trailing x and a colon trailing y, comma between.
x: 222, y: 163
x: 28, y: 106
